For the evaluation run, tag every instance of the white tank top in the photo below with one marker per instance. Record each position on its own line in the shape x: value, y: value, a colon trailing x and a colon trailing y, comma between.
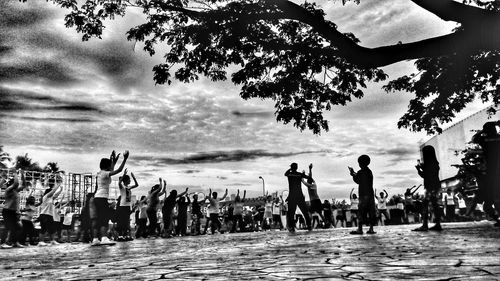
x: 382, y: 203
x: 354, y: 204
x: 449, y: 199
x: 103, y: 182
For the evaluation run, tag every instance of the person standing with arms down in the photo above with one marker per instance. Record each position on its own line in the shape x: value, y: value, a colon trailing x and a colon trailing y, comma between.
x: 429, y: 171
x: 296, y: 197
x: 366, y: 208
x: 102, y: 194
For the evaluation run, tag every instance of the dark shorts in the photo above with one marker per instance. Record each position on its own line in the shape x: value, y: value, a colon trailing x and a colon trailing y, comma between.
x: 46, y: 224
x: 103, y: 212
x: 316, y: 206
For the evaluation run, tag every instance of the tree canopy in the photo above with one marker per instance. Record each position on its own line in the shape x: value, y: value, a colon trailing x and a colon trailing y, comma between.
x: 290, y: 53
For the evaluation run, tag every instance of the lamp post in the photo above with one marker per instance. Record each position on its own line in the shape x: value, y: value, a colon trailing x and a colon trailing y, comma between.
x: 263, y: 186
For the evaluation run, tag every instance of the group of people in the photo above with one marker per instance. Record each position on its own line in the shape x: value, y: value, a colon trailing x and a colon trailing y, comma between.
x: 155, y: 217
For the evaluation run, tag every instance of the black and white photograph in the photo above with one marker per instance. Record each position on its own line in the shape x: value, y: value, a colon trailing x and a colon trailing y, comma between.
x: 249, y: 140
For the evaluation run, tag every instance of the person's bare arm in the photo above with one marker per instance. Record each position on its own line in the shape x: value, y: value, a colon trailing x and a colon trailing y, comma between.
x: 135, y: 182
x: 183, y: 193
x: 350, y: 194
x: 122, y: 165
x: 58, y: 192
x: 225, y: 194
x: 244, y: 194
x: 306, y: 184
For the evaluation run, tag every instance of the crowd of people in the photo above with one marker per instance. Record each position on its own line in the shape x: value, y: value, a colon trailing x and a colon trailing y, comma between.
x: 160, y: 215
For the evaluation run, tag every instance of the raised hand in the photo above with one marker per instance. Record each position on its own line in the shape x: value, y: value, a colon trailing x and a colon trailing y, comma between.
x: 126, y: 154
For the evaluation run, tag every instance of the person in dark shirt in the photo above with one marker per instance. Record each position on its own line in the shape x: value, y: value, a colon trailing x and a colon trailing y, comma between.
x: 196, y: 214
x: 168, y: 210
x: 296, y: 197
x: 182, y: 207
x: 366, y: 208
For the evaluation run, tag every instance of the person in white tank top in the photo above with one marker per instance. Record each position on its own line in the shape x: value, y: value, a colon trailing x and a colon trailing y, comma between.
x: 382, y: 206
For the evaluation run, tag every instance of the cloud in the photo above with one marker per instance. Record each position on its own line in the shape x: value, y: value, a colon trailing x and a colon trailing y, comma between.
x: 260, y: 114
x: 19, y: 100
x: 217, y: 157
x: 190, y: 171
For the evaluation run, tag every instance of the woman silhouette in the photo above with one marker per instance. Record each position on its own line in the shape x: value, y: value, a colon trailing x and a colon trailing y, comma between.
x: 429, y: 171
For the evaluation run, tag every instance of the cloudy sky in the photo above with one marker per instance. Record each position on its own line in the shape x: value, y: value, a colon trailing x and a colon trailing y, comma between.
x: 72, y: 102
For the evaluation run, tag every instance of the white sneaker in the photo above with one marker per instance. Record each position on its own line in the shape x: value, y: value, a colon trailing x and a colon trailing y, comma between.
x: 5, y: 246
x: 95, y: 242
x: 42, y: 244
x: 105, y: 240
x: 54, y: 242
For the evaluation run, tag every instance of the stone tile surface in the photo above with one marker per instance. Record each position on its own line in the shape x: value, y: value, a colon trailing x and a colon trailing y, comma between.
x: 463, y: 251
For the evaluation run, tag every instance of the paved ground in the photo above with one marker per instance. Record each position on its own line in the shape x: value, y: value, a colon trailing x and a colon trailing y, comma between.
x: 463, y: 251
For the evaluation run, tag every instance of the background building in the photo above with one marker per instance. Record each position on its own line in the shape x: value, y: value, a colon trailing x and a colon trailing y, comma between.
x: 453, y: 140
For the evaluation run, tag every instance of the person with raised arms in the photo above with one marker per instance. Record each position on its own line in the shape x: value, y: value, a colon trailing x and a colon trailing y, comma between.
x: 238, y: 211
x: 46, y: 217
x: 213, y: 210
x: 315, y: 201
x: 382, y: 206
x: 296, y: 197
x: 153, y: 202
x: 123, y: 210
x: 168, y: 210
x: 12, y: 231
x: 101, y: 196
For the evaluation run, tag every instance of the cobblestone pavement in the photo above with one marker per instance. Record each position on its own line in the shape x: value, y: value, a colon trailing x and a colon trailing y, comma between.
x: 463, y: 251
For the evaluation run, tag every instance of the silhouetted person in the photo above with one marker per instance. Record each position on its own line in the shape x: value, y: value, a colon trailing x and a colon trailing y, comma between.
x: 488, y: 179
x: 366, y: 208
x: 296, y: 197
x: 429, y: 171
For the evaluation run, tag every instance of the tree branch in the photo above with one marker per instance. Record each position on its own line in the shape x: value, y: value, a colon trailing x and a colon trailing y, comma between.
x: 450, y: 10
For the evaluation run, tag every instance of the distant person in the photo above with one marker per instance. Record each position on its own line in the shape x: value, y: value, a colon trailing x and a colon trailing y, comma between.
x: 268, y: 213
x: 341, y: 214
x: 364, y: 179
x: 182, y: 215
x: 12, y: 230
x: 125, y: 205
x: 196, y: 214
x: 354, y: 208
x: 429, y: 171
x: 409, y: 204
x: 382, y: 206
x: 296, y: 197
x: 152, y: 211
x: 238, y: 212
x: 168, y: 211
x: 328, y: 214
x: 28, y: 213
x: 277, y: 214
x: 316, y: 208
x: 449, y: 203
x: 101, y: 196
x: 46, y: 216
x: 213, y: 210
x: 142, y: 218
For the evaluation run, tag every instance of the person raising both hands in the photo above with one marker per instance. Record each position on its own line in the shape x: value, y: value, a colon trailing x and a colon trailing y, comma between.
x: 100, y: 224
